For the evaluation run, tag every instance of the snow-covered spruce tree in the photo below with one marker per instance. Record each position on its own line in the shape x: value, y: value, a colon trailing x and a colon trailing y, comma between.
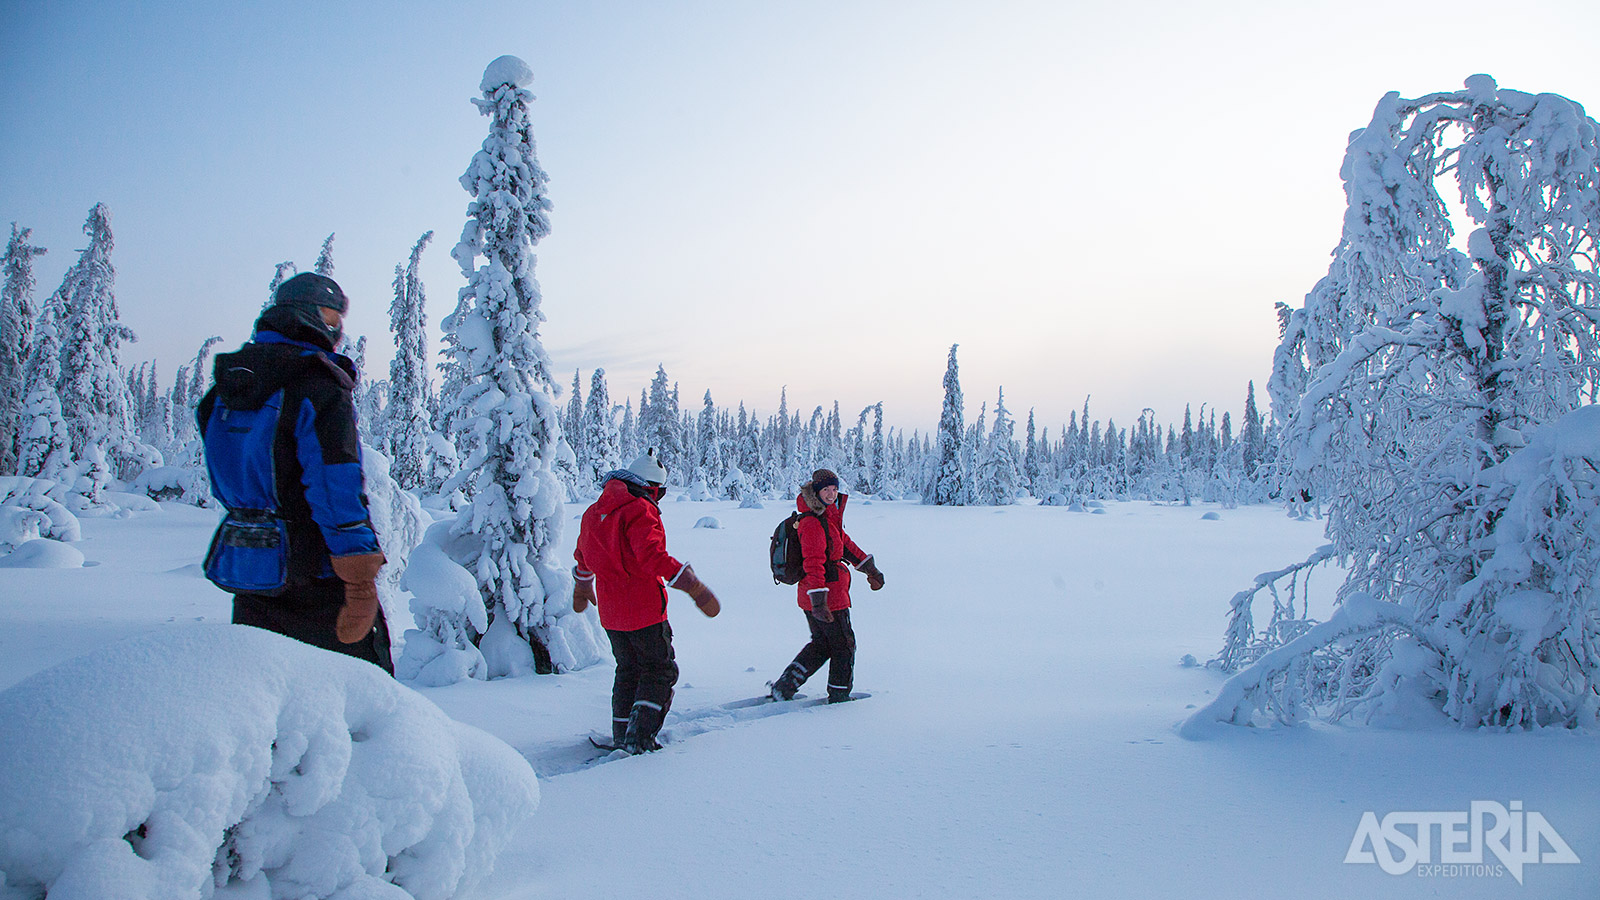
x: 408, y: 420
x: 971, y: 451
x: 93, y: 393
x: 659, y: 427
x: 627, y: 431
x: 370, y: 395
x: 280, y: 273
x: 574, y: 415
x: 1437, y: 410
x: 859, y: 456
x: 602, y: 443
x: 708, y: 446
x: 187, y: 390
x: 948, y: 486
x: 324, y: 264
x: 879, y: 468
x: 832, y: 454
x: 17, y: 315
x: 44, y: 448
x: 566, y: 465
x: 501, y: 407
x: 999, y: 480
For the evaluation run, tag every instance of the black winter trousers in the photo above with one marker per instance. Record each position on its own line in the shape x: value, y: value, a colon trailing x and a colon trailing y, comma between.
x: 833, y: 643
x: 307, y: 612
x: 646, y: 671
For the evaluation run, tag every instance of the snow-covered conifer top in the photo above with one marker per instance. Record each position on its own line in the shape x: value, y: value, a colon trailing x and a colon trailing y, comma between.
x: 506, y: 70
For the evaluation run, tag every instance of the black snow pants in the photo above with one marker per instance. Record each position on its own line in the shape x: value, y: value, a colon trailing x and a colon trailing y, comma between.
x: 646, y: 671
x: 307, y: 612
x: 833, y: 643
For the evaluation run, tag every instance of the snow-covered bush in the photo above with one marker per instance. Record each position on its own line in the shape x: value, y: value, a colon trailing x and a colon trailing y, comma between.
x: 398, y: 519
x: 44, y: 496
x: 449, y: 614
x: 174, y: 483
x: 199, y: 758
x: 19, y: 524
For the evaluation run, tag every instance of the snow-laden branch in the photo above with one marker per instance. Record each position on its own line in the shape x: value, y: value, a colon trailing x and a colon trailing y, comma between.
x: 1239, y: 697
x: 1241, y: 644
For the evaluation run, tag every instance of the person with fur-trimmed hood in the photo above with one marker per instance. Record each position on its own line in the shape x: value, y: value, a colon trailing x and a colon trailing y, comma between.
x: 623, y: 567
x: 824, y: 592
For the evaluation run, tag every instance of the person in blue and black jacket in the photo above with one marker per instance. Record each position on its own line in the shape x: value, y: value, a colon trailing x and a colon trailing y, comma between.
x: 297, y: 548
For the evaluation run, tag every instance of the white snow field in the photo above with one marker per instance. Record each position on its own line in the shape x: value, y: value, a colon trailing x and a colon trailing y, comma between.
x: 1021, y: 739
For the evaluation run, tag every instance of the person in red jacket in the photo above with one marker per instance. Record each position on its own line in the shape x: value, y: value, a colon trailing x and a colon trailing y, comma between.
x: 824, y: 592
x: 622, y: 565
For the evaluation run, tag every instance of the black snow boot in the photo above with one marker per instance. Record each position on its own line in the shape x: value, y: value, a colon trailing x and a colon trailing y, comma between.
x: 644, y: 722
x: 789, y: 682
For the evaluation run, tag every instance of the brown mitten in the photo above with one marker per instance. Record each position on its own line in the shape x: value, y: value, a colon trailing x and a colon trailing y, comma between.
x: 360, y: 576
x: 869, y: 568
x: 582, y: 589
x: 819, y: 605
x: 690, y: 584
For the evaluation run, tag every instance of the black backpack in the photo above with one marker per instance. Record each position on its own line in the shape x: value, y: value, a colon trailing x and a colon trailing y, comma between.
x: 788, y: 565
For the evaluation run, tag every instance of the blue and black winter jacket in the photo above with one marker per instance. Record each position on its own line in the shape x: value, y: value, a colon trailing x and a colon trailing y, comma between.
x: 284, y: 456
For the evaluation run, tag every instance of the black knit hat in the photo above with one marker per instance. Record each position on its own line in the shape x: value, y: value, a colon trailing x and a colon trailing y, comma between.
x: 822, y: 478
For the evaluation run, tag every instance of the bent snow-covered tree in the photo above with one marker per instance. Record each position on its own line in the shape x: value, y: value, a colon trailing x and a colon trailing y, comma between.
x: 1430, y: 393
x: 501, y: 404
x: 94, y: 394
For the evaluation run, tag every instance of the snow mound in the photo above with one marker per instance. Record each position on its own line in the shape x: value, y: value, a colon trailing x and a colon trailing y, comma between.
x: 132, y: 503
x: 43, y: 553
x: 1212, y: 516
x: 200, y: 759
x: 506, y: 70
x: 751, y: 501
x: 707, y: 522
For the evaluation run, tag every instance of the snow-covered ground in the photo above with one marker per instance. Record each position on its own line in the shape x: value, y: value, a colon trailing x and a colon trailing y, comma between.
x: 1020, y: 741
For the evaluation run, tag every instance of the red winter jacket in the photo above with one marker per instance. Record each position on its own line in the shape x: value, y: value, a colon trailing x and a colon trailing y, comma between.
x: 624, y: 544
x: 815, y: 547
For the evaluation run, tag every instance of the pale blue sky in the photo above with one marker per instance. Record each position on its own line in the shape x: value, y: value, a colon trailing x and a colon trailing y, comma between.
x: 822, y: 195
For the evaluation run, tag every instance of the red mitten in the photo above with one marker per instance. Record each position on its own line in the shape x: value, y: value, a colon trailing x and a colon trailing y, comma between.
x: 582, y: 589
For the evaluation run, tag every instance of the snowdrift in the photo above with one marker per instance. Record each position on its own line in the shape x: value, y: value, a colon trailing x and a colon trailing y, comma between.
x: 204, y: 760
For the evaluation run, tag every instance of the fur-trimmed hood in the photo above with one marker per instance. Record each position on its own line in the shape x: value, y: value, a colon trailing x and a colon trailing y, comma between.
x: 809, y: 501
